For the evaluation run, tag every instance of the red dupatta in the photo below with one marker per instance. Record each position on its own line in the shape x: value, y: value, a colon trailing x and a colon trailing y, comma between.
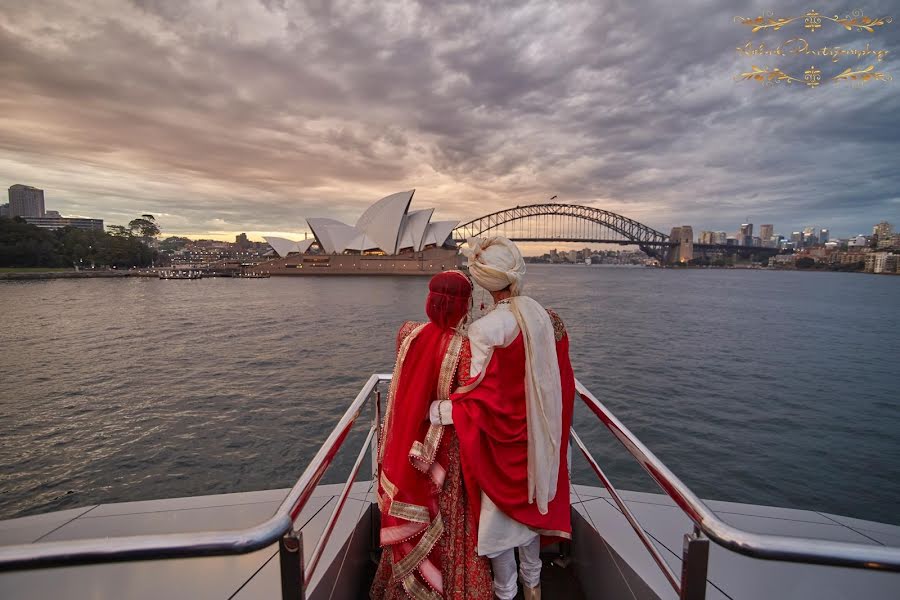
x: 410, y: 477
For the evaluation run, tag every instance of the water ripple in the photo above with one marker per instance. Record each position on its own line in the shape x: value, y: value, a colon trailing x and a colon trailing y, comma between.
x: 760, y: 387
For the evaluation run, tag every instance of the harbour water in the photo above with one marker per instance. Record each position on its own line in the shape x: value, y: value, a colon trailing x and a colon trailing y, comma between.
x: 764, y: 387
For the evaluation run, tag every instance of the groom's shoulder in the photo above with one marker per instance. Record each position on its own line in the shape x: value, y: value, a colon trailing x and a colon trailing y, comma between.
x: 559, y: 327
x: 492, y: 324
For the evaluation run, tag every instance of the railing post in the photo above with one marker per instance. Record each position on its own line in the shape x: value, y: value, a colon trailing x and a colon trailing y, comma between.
x: 694, y: 562
x: 375, y: 538
x: 290, y: 553
x: 376, y: 422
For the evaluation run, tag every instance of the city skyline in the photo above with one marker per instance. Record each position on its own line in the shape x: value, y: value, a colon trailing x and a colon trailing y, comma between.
x: 253, y: 117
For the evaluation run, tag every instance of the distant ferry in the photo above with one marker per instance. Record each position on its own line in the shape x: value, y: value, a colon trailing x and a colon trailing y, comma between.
x: 387, y: 239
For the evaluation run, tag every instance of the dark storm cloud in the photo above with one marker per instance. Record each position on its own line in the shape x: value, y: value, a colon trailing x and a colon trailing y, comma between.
x: 250, y: 116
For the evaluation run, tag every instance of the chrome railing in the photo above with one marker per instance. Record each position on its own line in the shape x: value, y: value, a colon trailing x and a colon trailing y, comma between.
x: 294, y: 578
x: 709, y: 527
x: 277, y: 528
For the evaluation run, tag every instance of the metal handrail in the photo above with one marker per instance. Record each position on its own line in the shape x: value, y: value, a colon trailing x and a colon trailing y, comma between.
x: 642, y: 535
x: 756, y: 545
x: 207, y: 543
x: 338, y: 507
x: 280, y: 524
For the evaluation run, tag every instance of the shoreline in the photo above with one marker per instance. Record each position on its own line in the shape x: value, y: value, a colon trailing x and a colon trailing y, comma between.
x: 40, y: 275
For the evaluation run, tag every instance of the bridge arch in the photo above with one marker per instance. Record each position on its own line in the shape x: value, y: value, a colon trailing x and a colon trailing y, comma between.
x: 562, y: 223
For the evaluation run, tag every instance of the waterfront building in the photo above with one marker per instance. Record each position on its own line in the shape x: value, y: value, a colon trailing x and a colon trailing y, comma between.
x: 852, y: 257
x: 858, y: 242
x: 882, y: 262
x: 60, y: 222
x: 783, y: 260
x: 572, y: 256
x: 25, y: 201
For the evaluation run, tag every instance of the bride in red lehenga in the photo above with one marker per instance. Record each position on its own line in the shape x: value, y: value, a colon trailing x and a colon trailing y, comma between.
x: 429, y: 534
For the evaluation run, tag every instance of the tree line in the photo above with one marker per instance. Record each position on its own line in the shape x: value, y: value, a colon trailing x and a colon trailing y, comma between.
x: 26, y: 245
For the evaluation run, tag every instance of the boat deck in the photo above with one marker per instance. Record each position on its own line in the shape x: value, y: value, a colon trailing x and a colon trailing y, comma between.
x: 613, y: 561
x: 730, y: 575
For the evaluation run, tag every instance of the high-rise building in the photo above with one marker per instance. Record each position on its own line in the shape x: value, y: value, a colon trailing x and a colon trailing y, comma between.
x: 707, y: 237
x: 746, y: 235
x: 883, y: 233
x: 797, y: 239
x: 4, y: 210
x: 721, y: 238
x: 242, y: 241
x: 824, y: 236
x: 765, y: 232
x: 25, y: 201
x: 810, y: 236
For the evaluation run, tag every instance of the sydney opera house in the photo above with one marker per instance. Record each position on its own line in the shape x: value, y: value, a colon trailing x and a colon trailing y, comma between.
x: 387, y: 239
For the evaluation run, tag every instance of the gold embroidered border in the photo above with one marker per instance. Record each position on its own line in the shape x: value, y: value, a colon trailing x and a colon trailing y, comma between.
x: 410, y: 512
x: 448, y: 367
x: 559, y: 328
x: 426, y: 451
x: 417, y: 591
x: 388, y: 486
x: 409, y: 562
x: 392, y: 390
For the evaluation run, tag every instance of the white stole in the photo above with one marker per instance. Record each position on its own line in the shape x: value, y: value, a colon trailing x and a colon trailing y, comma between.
x: 543, y: 399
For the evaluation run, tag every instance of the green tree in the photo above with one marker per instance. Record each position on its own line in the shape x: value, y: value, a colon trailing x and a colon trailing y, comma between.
x: 145, y: 226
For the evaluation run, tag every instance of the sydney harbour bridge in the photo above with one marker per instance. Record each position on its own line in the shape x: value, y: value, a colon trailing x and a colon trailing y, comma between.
x: 551, y: 222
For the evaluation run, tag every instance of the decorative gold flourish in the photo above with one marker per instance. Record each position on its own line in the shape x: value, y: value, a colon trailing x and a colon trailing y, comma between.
x: 812, y: 20
x: 766, y: 75
x: 867, y: 74
x: 812, y: 77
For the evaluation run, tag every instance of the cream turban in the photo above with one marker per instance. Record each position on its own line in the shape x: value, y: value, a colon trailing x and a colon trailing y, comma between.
x: 494, y: 263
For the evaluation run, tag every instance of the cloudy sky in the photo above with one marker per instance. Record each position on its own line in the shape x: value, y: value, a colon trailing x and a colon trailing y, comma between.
x: 227, y: 116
